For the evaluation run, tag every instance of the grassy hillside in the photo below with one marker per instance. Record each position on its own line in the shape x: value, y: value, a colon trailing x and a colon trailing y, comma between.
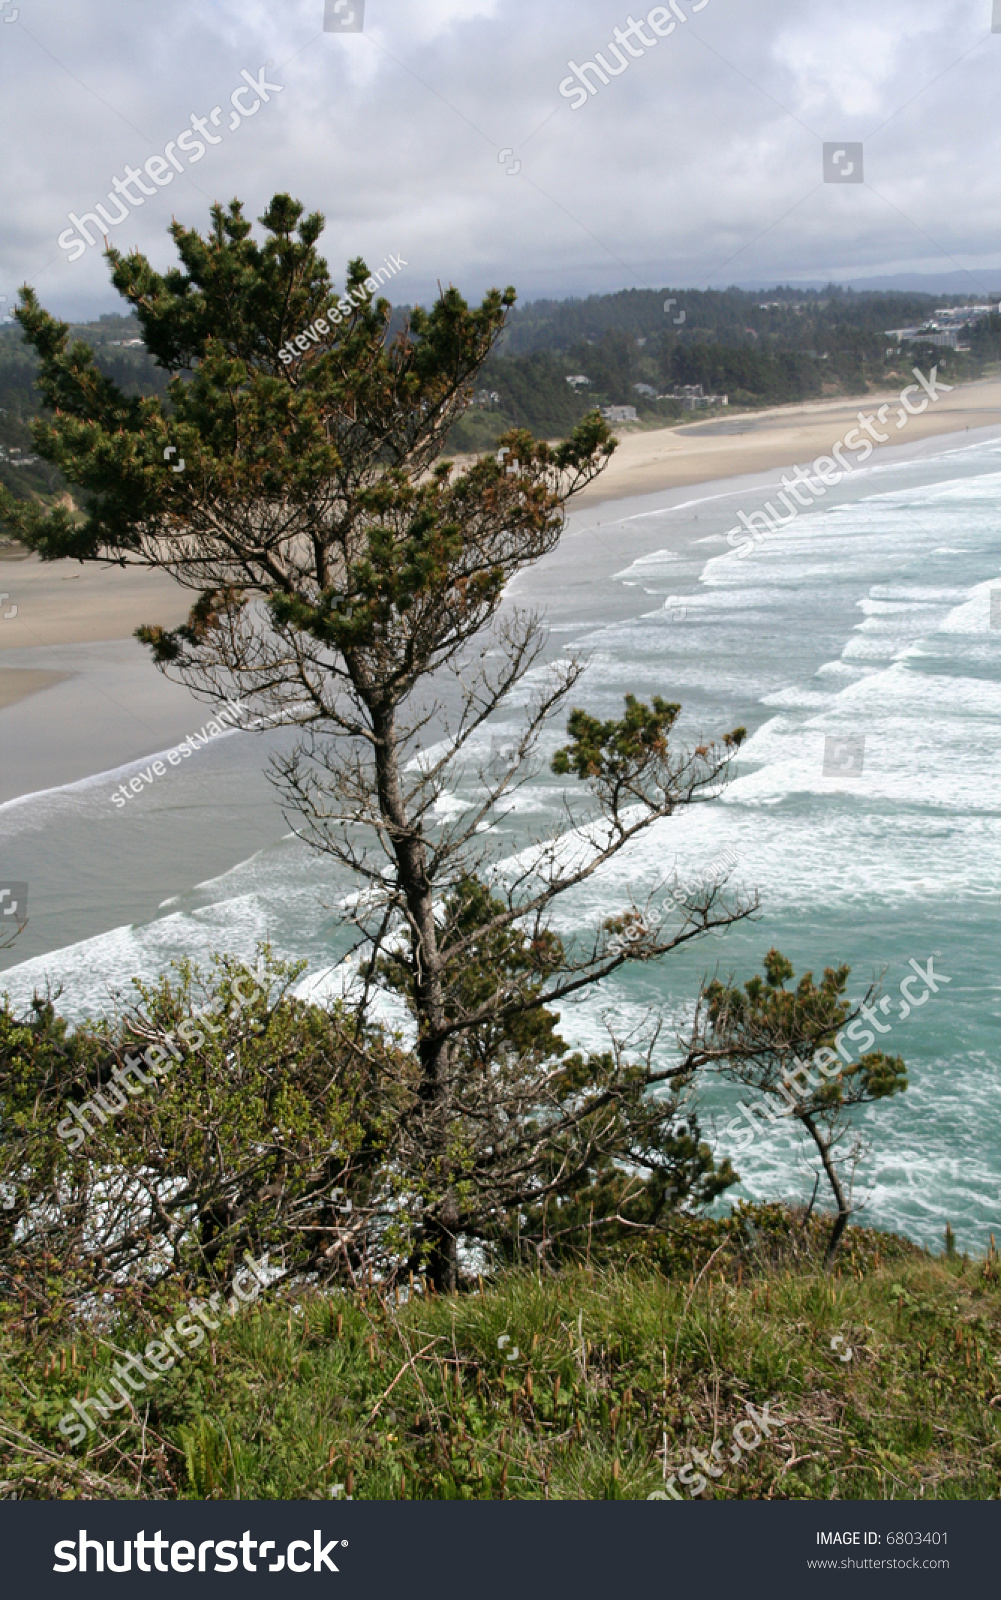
x: 887, y: 1375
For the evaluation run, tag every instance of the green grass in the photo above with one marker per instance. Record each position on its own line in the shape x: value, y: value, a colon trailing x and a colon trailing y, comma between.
x: 422, y: 1401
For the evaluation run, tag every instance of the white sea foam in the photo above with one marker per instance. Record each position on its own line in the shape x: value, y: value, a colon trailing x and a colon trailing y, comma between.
x: 868, y: 620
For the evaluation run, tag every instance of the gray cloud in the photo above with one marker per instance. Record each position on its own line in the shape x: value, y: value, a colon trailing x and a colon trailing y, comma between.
x: 700, y: 163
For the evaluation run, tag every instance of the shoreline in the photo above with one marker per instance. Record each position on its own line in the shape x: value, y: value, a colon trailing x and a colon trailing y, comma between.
x: 106, y: 603
x: 17, y: 683
x: 59, y: 605
x: 782, y: 436
x: 78, y: 696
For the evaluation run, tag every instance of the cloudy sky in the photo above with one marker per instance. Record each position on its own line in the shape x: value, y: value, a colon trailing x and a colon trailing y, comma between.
x: 436, y: 131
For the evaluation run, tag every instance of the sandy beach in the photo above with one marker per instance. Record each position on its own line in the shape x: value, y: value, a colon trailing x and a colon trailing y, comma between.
x: 756, y: 441
x: 59, y: 603
x: 78, y: 695
x: 66, y: 603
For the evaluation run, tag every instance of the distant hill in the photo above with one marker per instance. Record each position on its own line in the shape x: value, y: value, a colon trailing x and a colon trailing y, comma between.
x: 760, y: 347
x: 981, y: 282
x: 637, y: 347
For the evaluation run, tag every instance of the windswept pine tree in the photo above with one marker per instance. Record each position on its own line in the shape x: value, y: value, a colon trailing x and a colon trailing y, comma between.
x: 780, y: 1042
x: 348, y: 581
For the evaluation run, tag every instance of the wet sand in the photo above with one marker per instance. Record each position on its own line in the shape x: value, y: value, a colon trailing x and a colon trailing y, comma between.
x: 77, y: 693
x: 16, y: 683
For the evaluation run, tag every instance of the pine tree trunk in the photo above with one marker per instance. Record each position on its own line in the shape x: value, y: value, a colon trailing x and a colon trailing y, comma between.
x: 844, y: 1210
x: 428, y: 997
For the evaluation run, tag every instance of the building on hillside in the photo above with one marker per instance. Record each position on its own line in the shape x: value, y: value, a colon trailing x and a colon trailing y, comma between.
x: 619, y: 413
x: 959, y: 316
x: 694, y: 398
x: 645, y: 388
x: 577, y: 380
x: 943, y: 329
x: 928, y: 333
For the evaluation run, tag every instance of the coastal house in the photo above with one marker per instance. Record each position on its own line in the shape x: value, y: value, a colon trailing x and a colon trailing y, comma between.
x: 942, y: 330
x: 694, y: 398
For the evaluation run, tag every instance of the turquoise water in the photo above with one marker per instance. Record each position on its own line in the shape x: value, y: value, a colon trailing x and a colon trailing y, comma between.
x: 867, y: 621
x: 871, y: 621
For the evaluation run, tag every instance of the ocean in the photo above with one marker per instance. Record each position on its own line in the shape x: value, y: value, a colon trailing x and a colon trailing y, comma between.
x: 860, y: 646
